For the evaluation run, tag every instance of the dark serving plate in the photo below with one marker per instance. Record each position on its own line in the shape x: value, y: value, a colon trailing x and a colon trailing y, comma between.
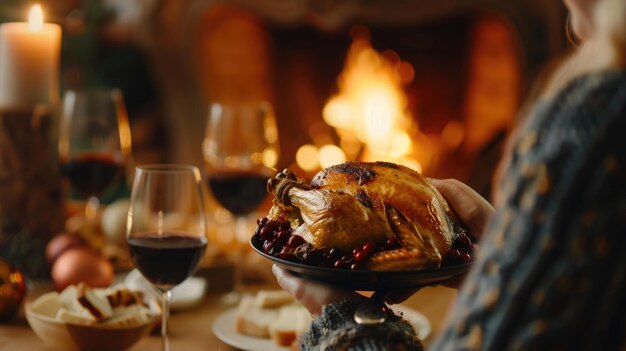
x: 368, y: 280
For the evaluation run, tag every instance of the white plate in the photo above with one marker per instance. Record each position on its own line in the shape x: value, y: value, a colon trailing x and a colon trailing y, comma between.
x: 224, y: 329
x: 187, y: 294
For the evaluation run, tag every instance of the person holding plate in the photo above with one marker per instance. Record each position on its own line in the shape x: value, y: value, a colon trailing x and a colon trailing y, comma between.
x: 550, y: 272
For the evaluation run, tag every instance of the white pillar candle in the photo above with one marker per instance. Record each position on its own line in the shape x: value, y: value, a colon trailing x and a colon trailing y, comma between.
x: 29, y: 62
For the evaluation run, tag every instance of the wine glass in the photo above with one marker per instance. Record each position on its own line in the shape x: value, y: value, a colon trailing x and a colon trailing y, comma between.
x: 94, y: 142
x: 240, y: 151
x: 166, y: 228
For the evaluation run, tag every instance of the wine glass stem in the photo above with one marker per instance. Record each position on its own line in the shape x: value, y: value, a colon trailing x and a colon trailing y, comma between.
x: 91, y: 209
x: 241, y: 236
x: 238, y: 261
x: 165, y: 312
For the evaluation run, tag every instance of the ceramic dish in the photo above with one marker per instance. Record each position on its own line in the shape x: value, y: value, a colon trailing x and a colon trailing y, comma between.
x: 368, y: 280
x: 41, y: 313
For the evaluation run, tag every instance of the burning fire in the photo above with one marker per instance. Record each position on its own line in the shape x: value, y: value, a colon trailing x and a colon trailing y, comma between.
x: 371, y: 105
x: 370, y: 112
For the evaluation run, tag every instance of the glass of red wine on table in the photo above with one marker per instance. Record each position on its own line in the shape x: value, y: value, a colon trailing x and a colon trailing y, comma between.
x: 94, y: 143
x: 166, y: 229
x: 240, y: 151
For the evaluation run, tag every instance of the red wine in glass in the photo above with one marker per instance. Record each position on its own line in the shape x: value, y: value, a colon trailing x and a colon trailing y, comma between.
x: 167, y: 260
x: 91, y: 174
x: 240, y: 192
x: 166, y: 229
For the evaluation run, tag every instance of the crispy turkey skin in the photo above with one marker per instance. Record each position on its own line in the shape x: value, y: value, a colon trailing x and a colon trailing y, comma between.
x: 354, y: 203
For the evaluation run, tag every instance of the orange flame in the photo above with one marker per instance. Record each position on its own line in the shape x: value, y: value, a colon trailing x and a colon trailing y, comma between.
x: 371, y: 107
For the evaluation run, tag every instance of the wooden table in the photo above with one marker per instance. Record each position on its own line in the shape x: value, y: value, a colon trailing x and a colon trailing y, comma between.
x: 191, y: 329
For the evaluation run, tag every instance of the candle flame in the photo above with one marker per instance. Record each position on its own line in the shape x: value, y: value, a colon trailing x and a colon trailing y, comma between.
x: 35, y: 18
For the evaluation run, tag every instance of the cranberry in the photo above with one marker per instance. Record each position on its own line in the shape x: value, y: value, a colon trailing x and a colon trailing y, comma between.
x: 282, y: 237
x: 286, y: 253
x: 335, y: 253
x: 369, y: 247
x: 360, y: 256
x: 339, y: 264
x: 284, y: 225
x: 266, y: 233
x: 355, y: 250
x: 454, y: 255
x: 473, y: 238
x: 262, y: 221
x: 465, y: 257
x: 295, y: 241
x: 463, y: 242
x: 257, y: 240
x: 355, y: 266
x: 273, y: 225
x: 275, y: 249
x: 392, y: 243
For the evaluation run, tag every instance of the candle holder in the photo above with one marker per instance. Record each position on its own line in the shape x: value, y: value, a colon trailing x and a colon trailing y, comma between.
x: 30, y: 189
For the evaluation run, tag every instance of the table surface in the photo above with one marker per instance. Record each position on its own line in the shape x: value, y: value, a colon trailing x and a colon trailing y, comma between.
x: 191, y: 329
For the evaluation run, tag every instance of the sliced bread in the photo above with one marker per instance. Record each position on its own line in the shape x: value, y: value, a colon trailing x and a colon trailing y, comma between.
x: 253, y: 320
x: 292, y: 321
x: 98, y: 306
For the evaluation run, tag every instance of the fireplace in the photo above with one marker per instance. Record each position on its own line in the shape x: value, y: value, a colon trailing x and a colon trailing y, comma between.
x: 457, y: 73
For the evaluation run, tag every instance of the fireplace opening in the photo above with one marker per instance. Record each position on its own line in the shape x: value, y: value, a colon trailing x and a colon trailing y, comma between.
x: 438, y: 95
x: 455, y: 85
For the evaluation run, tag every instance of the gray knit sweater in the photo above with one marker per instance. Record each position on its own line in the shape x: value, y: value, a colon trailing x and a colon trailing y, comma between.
x: 551, y: 270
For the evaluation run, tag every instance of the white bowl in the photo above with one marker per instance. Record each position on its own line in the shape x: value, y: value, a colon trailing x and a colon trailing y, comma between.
x: 67, y: 336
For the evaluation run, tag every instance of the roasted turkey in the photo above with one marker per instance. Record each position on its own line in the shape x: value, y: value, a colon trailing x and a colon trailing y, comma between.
x: 348, y: 205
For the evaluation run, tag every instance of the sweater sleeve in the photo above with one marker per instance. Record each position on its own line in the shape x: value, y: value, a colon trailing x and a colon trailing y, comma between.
x: 551, y: 272
x: 335, y: 329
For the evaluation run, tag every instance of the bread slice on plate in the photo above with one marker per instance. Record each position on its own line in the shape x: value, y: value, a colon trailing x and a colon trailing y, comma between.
x: 291, y: 322
x: 254, y: 320
x: 303, y: 322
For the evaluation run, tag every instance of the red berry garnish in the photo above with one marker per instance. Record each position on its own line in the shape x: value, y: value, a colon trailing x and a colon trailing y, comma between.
x: 295, y: 241
x: 392, y: 243
x: 285, y: 225
x: 273, y: 225
x: 369, y: 247
x: 463, y: 242
x: 355, y: 266
x: 266, y: 233
x: 339, y: 264
x: 262, y: 221
x: 283, y: 236
x: 355, y: 250
x: 275, y: 249
x: 286, y: 253
x: 360, y: 256
x: 335, y: 253
x: 464, y: 257
x: 454, y: 255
